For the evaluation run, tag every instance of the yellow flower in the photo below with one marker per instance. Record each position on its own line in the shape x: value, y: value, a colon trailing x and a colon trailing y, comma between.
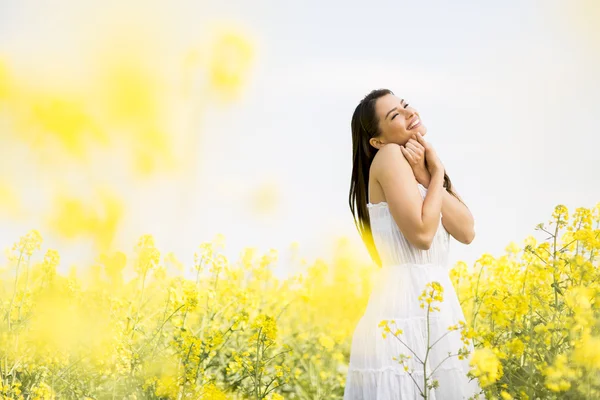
x: 229, y: 63
x: 267, y: 327
x: 486, y: 365
x: 148, y: 254
x: 326, y: 342
x: 212, y: 392
x: 29, y: 243
x: 505, y: 395
x: 587, y: 353
x: 513, y: 248
x: 516, y: 347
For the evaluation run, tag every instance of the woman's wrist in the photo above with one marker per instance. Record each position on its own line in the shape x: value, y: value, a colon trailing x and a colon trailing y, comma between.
x: 426, y: 181
x: 437, y: 176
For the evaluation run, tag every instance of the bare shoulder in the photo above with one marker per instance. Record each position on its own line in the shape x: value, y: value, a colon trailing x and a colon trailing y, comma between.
x: 389, y: 158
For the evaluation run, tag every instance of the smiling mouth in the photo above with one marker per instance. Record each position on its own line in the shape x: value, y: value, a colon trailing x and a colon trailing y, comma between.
x: 414, y: 124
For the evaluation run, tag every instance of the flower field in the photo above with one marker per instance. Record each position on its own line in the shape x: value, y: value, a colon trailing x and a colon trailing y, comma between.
x: 238, y: 332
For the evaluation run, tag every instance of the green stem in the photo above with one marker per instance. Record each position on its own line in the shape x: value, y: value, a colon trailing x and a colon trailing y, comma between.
x: 426, y: 356
x: 14, y: 290
x: 137, y: 313
x: 256, y: 382
x: 25, y: 289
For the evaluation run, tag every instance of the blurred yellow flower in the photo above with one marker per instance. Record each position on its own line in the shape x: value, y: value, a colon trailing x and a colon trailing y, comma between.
x: 486, y: 365
x: 229, y: 62
x: 326, y: 342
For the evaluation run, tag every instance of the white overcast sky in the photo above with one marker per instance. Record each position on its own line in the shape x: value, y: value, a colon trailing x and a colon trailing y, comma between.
x: 509, y: 93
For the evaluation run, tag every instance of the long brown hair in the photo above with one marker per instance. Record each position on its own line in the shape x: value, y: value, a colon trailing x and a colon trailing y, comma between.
x: 365, y: 125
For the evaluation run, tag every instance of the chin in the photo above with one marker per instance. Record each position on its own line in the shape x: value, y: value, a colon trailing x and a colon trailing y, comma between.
x: 422, y: 129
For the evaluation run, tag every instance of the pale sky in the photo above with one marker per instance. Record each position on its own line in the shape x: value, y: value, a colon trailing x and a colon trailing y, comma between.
x: 509, y: 93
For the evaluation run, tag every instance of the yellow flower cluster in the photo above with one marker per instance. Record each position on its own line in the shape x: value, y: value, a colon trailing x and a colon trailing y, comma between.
x: 488, y: 368
x: 435, y: 293
x: 265, y: 329
x: 534, y: 312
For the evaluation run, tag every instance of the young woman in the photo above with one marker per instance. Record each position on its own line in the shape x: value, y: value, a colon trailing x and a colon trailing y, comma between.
x: 406, y: 211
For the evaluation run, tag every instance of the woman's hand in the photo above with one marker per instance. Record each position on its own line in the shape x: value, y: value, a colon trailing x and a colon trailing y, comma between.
x: 414, y: 152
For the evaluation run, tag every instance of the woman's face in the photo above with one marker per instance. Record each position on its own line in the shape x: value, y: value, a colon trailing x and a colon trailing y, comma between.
x: 398, y: 121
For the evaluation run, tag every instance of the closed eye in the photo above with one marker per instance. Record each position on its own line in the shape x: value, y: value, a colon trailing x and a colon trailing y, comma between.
x: 406, y: 105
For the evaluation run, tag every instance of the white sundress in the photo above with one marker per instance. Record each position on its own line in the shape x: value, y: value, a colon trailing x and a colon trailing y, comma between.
x: 373, y: 374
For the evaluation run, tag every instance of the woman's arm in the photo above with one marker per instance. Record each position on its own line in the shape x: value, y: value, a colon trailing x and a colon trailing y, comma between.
x: 456, y: 217
x: 417, y: 219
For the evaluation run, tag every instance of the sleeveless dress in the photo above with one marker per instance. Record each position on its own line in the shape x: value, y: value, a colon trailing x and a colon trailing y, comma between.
x: 373, y: 374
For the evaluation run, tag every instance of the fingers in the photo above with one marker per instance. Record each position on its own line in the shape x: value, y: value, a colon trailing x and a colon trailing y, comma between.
x: 416, y: 142
x: 411, y: 155
x: 408, y: 155
x: 426, y: 145
x: 415, y: 146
